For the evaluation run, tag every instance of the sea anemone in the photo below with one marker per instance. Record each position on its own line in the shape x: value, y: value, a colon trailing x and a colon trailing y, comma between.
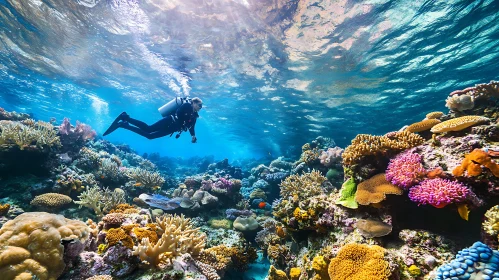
x: 405, y: 170
x: 439, y: 192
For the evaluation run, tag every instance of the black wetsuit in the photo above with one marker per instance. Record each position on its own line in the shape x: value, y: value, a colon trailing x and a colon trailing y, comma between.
x: 184, y: 119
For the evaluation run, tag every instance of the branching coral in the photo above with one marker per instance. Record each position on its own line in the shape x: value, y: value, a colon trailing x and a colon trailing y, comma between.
x: 359, y: 262
x: 145, y: 178
x: 42, y: 135
x: 369, y: 145
x: 303, y: 186
x: 178, y: 237
x: 30, y: 245
x: 101, y: 201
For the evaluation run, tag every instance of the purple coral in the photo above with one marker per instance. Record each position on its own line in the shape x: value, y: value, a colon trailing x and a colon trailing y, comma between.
x: 405, y: 170
x: 439, y: 192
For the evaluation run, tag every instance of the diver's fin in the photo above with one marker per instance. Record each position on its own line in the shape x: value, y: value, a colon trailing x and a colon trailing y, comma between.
x: 116, y: 123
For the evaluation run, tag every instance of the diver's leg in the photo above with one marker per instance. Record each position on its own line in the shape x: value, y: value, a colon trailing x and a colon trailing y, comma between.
x: 164, y: 122
x: 146, y: 134
x: 115, y: 125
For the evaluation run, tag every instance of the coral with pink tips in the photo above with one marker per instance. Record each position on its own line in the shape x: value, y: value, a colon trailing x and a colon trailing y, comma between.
x: 439, y: 192
x: 405, y: 170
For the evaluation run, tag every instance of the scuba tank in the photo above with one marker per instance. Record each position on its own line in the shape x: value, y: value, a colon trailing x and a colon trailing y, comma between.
x: 171, y: 107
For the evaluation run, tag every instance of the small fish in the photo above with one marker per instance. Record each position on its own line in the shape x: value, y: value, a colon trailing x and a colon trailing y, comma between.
x: 161, y: 202
x: 262, y: 204
x: 102, y: 176
x: 137, y: 184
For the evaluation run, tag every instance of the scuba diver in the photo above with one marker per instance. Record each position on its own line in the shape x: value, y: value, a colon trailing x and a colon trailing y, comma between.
x: 179, y: 115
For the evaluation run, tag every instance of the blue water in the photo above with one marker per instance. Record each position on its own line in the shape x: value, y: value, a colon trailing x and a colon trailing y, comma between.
x: 272, y: 74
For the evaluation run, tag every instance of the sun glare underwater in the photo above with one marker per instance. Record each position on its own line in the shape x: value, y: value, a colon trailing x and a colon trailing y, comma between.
x: 244, y: 139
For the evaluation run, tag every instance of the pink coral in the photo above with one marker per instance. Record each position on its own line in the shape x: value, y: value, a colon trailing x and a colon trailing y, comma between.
x: 439, y: 192
x: 405, y: 170
x: 331, y: 156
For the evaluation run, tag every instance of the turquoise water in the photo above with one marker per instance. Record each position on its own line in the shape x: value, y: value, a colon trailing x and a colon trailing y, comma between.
x: 273, y: 74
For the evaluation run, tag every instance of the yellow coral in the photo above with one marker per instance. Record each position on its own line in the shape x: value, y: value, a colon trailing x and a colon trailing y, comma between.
x: 375, y: 189
x: 220, y: 223
x: 359, y: 262
x: 434, y: 115
x: 491, y: 223
x: 422, y: 125
x: 178, y: 237
x: 4, y: 209
x: 294, y: 273
x: 277, y: 274
x: 116, y: 235
x: 30, y: 245
x: 369, y: 145
x: 142, y: 233
x: 51, y: 200
x: 414, y: 270
x: 458, y: 124
x: 319, y: 265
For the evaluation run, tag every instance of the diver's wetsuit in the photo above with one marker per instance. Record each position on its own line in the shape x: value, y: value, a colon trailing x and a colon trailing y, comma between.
x: 184, y: 119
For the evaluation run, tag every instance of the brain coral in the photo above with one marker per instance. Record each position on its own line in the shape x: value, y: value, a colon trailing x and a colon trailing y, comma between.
x: 359, y: 262
x: 458, y: 124
x: 51, y: 200
x: 31, y: 245
x: 439, y: 192
x: 405, y: 170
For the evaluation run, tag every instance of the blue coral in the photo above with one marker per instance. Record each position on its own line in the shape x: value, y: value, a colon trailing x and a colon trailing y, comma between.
x: 470, y: 263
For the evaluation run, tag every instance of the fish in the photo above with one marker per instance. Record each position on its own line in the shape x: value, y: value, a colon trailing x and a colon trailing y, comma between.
x: 137, y: 184
x: 161, y: 202
x: 65, y: 158
x: 262, y: 204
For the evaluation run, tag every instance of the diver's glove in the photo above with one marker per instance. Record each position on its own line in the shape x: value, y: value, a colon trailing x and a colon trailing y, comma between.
x: 194, y: 139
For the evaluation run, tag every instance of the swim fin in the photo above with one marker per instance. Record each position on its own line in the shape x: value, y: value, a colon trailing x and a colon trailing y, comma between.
x: 116, y: 123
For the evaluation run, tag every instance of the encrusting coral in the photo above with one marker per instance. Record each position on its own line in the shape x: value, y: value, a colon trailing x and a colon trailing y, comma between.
x: 178, y: 237
x: 375, y: 189
x: 30, y: 245
x: 359, y: 262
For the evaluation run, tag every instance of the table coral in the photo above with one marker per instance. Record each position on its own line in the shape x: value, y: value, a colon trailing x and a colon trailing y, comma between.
x: 31, y: 245
x: 458, y: 124
x: 422, y: 125
x: 358, y: 262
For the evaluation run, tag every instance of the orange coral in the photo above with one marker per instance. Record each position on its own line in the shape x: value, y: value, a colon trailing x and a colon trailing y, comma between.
x: 359, y: 262
x: 124, y: 208
x: 116, y: 235
x: 472, y: 164
x: 458, y: 124
x: 4, y: 209
x: 146, y: 233
x: 375, y: 189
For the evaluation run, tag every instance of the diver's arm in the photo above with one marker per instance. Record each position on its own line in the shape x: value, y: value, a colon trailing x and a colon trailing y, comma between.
x: 192, y: 132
